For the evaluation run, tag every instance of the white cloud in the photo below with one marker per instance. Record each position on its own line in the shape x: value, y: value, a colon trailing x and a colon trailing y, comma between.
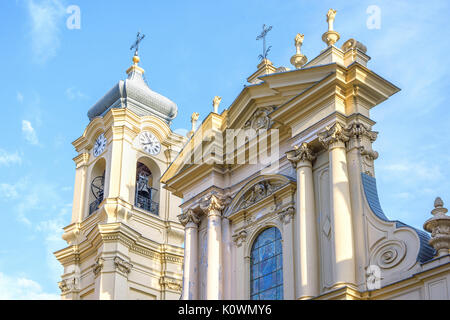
x: 7, y: 159
x: 19, y: 97
x: 29, y: 132
x: 46, y: 21
x: 22, y: 288
x: 411, y: 170
x: 72, y: 93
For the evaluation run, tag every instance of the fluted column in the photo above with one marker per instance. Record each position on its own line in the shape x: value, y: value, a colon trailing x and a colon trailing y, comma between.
x: 308, y: 264
x: 190, y: 270
x: 212, y: 206
x: 334, y: 139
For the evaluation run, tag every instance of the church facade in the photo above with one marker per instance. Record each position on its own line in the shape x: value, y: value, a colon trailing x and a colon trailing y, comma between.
x: 274, y: 198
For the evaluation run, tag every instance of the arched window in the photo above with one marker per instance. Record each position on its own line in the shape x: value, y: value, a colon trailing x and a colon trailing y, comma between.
x: 266, y: 266
x: 145, y: 193
x: 97, y: 186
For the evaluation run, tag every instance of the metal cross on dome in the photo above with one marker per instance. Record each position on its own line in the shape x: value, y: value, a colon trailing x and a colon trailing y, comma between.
x: 139, y: 38
x: 263, y: 36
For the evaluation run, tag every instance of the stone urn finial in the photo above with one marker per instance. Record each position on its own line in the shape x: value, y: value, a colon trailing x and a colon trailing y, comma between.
x: 439, y: 226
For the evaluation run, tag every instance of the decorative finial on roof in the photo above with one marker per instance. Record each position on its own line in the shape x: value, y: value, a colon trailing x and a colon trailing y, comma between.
x: 136, y: 59
x: 216, y: 102
x: 439, y: 226
x: 264, y: 32
x: 298, y: 59
x: 194, y: 118
x: 330, y: 37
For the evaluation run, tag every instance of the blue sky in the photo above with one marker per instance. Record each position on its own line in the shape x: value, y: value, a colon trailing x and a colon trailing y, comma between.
x: 195, y: 50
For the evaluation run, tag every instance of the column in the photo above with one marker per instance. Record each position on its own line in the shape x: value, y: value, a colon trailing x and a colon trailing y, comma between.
x: 308, y: 261
x: 334, y: 140
x: 212, y: 206
x: 190, y: 271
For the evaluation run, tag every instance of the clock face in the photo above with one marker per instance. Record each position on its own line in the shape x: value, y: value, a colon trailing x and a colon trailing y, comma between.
x: 150, y: 143
x: 99, y: 145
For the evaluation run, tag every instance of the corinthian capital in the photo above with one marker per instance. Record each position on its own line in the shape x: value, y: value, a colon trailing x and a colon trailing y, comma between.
x: 212, y: 204
x: 334, y: 134
x: 302, y: 153
x: 359, y: 130
x: 189, y: 216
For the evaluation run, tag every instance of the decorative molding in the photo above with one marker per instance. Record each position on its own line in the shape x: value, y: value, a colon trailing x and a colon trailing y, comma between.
x: 98, y: 266
x: 81, y: 160
x: 260, y: 119
x: 239, y: 237
x: 170, y: 283
x: 368, y: 157
x: 68, y: 285
x: 259, y: 191
x: 359, y: 130
x: 369, y: 154
x: 212, y: 204
x: 300, y: 153
x: 189, y: 216
x: 388, y: 254
x: 122, y: 265
x: 286, y: 214
x: 332, y: 135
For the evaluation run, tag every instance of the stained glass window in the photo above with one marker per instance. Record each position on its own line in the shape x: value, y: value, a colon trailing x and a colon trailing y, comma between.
x: 266, y: 271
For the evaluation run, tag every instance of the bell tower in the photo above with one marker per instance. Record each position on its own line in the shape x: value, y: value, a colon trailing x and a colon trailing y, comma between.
x: 124, y: 239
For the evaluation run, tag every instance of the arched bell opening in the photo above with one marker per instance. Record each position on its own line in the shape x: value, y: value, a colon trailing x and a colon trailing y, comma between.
x: 146, y: 195
x: 97, y: 185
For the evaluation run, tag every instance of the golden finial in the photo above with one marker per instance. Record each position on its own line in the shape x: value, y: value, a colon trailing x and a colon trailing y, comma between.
x: 330, y: 37
x: 298, y: 59
x: 216, y: 102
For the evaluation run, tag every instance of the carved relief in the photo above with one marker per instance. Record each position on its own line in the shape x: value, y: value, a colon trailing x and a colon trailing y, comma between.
x: 239, y: 237
x: 300, y: 153
x: 368, y: 157
x: 260, y: 119
x: 170, y: 283
x: 122, y: 265
x: 259, y: 191
x: 388, y: 254
x: 68, y: 285
x: 286, y: 215
x: 212, y: 204
x: 98, y: 266
x: 334, y: 134
x: 189, y: 216
x: 359, y: 130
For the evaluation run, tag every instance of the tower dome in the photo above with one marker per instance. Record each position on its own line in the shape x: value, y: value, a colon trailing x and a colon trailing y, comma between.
x: 134, y: 93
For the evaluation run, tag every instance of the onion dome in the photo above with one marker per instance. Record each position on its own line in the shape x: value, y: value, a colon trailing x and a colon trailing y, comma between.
x: 134, y: 93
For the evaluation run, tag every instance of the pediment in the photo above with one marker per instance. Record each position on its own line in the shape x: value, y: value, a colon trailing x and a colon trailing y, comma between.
x: 256, y: 190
